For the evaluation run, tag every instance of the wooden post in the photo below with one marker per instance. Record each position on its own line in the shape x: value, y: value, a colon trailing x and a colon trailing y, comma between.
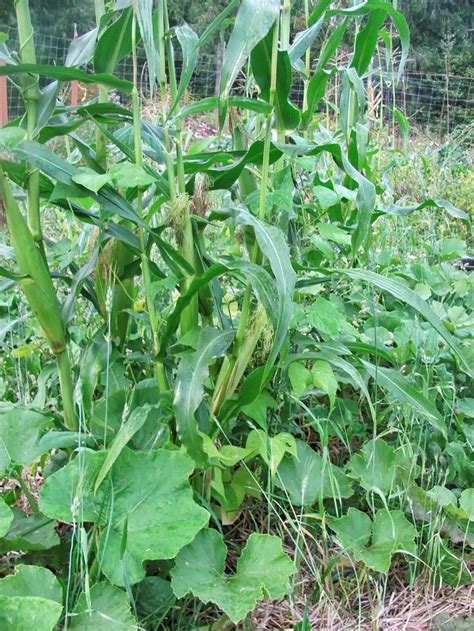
x: 74, y: 84
x: 3, y: 99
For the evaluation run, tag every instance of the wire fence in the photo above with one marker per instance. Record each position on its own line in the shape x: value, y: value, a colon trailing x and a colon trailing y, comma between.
x: 438, y: 102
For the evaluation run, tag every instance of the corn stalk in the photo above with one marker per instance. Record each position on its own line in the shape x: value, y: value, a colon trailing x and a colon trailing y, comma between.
x: 31, y: 95
x: 40, y: 294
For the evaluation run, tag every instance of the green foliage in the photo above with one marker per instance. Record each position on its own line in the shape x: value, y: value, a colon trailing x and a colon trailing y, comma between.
x: 262, y: 569
x: 252, y: 342
x: 31, y: 596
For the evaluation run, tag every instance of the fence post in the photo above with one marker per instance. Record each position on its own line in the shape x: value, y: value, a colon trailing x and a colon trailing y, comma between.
x: 3, y: 99
x: 74, y: 84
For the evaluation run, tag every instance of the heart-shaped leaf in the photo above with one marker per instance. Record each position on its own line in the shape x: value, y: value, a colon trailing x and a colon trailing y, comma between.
x: 390, y: 532
x: 263, y: 569
x: 30, y: 599
x: 145, y: 505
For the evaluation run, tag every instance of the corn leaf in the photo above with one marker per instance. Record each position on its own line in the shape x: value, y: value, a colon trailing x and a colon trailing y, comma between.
x: 254, y: 19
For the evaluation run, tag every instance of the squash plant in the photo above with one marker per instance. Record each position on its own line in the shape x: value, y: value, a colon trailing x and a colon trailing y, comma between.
x: 163, y: 428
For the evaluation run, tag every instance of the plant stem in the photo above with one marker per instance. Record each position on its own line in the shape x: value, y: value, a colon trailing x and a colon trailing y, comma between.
x: 229, y: 367
x: 27, y: 493
x: 100, y: 137
x: 307, y: 60
x: 189, y: 317
x: 137, y: 141
x: 31, y: 94
x: 67, y: 389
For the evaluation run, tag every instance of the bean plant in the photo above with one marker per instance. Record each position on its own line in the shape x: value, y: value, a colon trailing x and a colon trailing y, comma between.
x: 196, y: 331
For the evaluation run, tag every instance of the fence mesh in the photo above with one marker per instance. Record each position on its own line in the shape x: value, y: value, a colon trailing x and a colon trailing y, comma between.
x: 438, y: 102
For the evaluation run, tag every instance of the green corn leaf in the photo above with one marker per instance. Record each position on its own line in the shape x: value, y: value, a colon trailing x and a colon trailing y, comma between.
x: 62, y: 73
x: 404, y: 127
x: 443, y: 204
x: 144, y: 10
x: 223, y: 177
x: 193, y: 371
x: 246, y: 272
x: 366, y: 41
x: 287, y: 114
x: 217, y: 23
x: 188, y: 42
x: 262, y: 570
x: 46, y: 105
x: 38, y: 287
x: 103, y: 608
x: 254, y: 19
x: 307, y: 477
x: 114, y: 43
x: 81, y: 49
x: 63, y: 172
x: 398, y: 19
x: 274, y: 247
x: 143, y: 491
x: 318, y: 11
x: 303, y: 41
x: 317, y: 83
x: 403, y: 391
x: 212, y: 103
x: 30, y: 599
x: 253, y: 105
x: 131, y: 426
x: 406, y: 295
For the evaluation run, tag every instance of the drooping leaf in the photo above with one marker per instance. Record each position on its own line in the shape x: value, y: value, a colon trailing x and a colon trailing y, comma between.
x: 188, y: 41
x: 274, y: 247
x: 81, y: 49
x: 114, y: 43
x: 63, y: 172
x: 254, y: 19
x: 193, y: 370
x: 402, y: 211
x: 108, y: 608
x: 62, y: 73
x: 137, y: 502
x: 406, y: 295
x: 287, y: 114
x: 399, y: 387
x: 30, y: 599
x: 132, y: 425
x: 144, y: 12
x: 307, y: 477
x: 262, y: 570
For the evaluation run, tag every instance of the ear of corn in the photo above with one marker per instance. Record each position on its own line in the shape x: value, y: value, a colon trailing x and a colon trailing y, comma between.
x: 38, y: 287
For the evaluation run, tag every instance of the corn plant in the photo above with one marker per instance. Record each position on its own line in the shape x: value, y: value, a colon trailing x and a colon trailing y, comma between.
x: 175, y: 381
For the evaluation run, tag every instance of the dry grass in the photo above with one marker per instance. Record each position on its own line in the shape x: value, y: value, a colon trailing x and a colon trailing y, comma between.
x: 417, y: 608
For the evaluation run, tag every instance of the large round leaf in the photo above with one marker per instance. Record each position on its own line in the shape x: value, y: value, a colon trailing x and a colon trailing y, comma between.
x: 145, y: 505
x: 30, y: 599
